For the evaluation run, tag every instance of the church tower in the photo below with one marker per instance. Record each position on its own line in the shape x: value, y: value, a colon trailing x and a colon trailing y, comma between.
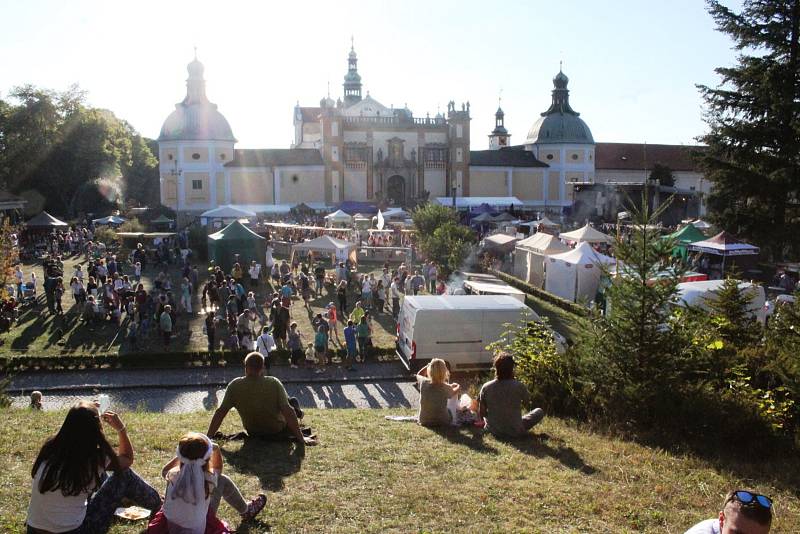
x: 499, y: 137
x: 352, y: 80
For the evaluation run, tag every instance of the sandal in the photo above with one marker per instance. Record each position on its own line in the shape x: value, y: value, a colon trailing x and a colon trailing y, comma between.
x: 254, y: 507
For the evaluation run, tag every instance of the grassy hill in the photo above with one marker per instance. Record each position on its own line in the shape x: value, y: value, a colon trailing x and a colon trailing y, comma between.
x: 373, y: 475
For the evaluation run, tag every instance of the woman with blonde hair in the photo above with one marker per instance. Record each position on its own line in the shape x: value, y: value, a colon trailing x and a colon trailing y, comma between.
x: 434, y: 392
x: 195, y: 487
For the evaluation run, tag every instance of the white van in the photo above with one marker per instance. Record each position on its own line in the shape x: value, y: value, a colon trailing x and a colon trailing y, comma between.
x: 455, y: 328
x: 490, y: 287
x: 698, y: 294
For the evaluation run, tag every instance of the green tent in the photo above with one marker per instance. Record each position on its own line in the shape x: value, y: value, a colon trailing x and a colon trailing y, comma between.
x: 685, y: 237
x: 236, y: 238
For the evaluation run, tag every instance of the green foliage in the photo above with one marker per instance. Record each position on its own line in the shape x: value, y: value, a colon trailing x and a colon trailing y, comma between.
x: 754, y: 126
x: 77, y: 157
x: 538, y: 364
x: 633, y: 358
x: 132, y: 225
x: 105, y: 235
x: 9, y: 254
x: 662, y: 175
x: 441, y: 237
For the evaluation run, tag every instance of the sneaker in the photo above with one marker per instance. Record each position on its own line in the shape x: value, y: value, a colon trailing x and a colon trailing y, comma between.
x: 254, y: 507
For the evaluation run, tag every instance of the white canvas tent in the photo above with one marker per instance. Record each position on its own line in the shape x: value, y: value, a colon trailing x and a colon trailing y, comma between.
x: 326, y: 245
x: 529, y: 256
x: 586, y: 234
x: 339, y: 217
x: 225, y: 214
x: 500, y: 242
x: 575, y: 275
x: 111, y: 219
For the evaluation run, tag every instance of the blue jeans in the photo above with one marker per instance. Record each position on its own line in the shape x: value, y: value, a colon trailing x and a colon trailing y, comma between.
x: 115, y: 487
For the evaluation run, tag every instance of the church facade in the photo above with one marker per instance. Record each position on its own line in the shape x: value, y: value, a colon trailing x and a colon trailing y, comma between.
x: 357, y: 149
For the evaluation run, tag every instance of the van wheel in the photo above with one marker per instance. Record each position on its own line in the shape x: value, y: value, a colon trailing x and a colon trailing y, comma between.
x: 416, y: 365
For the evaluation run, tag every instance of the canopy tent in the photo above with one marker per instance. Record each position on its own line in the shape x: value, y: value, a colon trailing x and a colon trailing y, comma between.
x: 485, y: 217
x: 45, y: 220
x: 236, y: 239
x: 575, y: 275
x: 503, y: 217
x: 500, y: 243
x: 352, y: 206
x: 529, y: 256
x: 474, y: 202
x: 586, y: 234
x: 683, y: 238
x: 483, y: 208
x: 700, y: 224
x: 337, y: 249
x: 111, y: 219
x: 724, y: 244
x: 228, y: 212
x: 162, y: 219
x: 339, y: 217
x: 396, y: 213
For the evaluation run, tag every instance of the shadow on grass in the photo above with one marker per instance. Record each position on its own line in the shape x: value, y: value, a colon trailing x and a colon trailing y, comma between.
x: 468, y: 436
x: 544, y: 445
x: 270, y: 461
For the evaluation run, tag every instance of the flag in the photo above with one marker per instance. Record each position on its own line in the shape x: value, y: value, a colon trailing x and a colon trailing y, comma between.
x: 381, y: 221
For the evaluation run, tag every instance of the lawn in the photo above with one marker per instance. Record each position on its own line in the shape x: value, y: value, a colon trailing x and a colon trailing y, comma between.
x: 37, y: 333
x: 373, y: 475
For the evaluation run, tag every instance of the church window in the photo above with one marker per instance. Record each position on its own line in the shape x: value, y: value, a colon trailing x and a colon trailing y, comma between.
x: 197, y: 184
x: 195, y: 156
x: 574, y: 156
x: 549, y: 156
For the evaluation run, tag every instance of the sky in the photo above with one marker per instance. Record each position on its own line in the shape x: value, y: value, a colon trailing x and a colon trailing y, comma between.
x: 632, y: 65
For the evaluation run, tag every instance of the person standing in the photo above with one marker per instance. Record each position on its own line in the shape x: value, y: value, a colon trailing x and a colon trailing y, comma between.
x: 265, y: 344
x: 321, y: 347
x: 295, y: 345
x: 254, y: 271
x: 395, y: 290
x: 186, y: 296
x: 165, y: 324
x: 341, y: 295
x: 319, y: 274
x: 417, y: 282
x: 210, y: 328
x: 433, y: 274
x: 350, y: 336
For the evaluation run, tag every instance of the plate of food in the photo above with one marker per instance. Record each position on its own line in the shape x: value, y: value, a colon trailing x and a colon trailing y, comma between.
x: 132, y: 513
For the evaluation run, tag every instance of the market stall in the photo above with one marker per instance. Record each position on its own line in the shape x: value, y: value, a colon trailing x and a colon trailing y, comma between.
x: 683, y: 238
x: 326, y: 245
x: 587, y: 234
x: 339, y: 218
x: 225, y: 215
x: 575, y: 275
x: 529, y: 256
x: 724, y: 251
x: 235, y: 243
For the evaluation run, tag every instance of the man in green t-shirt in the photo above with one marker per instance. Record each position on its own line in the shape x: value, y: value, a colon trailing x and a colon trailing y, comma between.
x: 262, y: 404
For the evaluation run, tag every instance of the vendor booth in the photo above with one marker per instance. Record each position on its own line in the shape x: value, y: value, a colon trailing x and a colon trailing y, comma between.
x: 225, y: 215
x: 499, y: 244
x: 339, y: 218
x: 111, y: 220
x: 587, y: 234
x: 45, y: 221
x: 235, y: 243
x: 326, y: 245
x: 575, y: 275
x: 723, y: 251
x: 529, y: 256
x: 683, y: 238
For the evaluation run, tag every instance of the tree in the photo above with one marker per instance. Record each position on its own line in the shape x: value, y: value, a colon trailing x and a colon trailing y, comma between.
x: 663, y: 175
x: 9, y: 253
x: 633, y: 358
x: 441, y: 237
x: 753, y: 154
x: 429, y: 217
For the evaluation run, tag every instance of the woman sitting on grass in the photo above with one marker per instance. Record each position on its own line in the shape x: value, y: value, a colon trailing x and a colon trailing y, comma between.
x: 71, y: 491
x: 195, y: 487
x: 434, y: 392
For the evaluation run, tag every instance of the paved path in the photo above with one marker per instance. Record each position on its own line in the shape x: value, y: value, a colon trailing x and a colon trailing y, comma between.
x: 110, y: 379
x: 351, y: 394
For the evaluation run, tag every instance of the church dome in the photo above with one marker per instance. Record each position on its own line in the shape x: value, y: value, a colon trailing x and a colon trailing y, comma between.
x: 560, y: 123
x: 560, y: 128
x: 196, y: 118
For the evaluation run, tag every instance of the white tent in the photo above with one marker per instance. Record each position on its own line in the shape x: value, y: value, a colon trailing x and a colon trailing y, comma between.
x: 339, y: 217
x: 575, y: 275
x: 529, y: 256
x: 501, y: 242
x: 587, y: 234
x: 700, y: 224
x: 326, y: 245
x: 228, y: 212
x: 111, y: 219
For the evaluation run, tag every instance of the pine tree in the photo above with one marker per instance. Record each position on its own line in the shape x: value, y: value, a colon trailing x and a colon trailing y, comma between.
x: 753, y: 154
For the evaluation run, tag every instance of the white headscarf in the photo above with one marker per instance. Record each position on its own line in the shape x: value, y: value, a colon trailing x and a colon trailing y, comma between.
x: 190, y: 483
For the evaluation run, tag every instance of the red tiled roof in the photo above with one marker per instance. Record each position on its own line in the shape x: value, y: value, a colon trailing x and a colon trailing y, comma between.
x: 310, y: 114
x: 638, y: 156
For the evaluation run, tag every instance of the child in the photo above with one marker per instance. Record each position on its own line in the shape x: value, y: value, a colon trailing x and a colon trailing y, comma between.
x: 36, y: 400
x: 195, y: 487
x: 321, y: 347
x: 310, y: 356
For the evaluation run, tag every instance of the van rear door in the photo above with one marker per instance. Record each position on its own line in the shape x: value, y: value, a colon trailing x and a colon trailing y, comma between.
x: 405, y: 332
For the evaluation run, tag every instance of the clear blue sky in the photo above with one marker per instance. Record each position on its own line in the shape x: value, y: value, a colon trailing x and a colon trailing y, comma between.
x: 632, y: 64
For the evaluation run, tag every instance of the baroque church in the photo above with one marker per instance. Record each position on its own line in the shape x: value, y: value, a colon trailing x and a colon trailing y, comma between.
x: 357, y: 149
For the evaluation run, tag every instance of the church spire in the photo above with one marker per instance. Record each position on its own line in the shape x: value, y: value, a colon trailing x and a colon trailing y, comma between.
x: 352, y: 80
x: 560, y: 95
x: 195, y: 83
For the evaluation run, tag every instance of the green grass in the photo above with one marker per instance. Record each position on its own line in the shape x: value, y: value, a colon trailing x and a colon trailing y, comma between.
x: 37, y: 333
x: 373, y: 475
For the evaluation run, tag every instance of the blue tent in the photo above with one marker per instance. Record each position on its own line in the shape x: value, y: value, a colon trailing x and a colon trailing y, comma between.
x: 351, y: 207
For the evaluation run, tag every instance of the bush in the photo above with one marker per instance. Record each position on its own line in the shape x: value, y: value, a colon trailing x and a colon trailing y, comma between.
x: 105, y: 235
x: 132, y: 225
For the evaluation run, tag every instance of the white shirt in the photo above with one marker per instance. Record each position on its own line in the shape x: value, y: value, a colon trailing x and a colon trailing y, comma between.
x: 78, y: 274
x: 395, y: 291
x: 52, y: 511
x: 709, y: 526
x: 366, y: 287
x: 264, y: 344
x: 191, y: 517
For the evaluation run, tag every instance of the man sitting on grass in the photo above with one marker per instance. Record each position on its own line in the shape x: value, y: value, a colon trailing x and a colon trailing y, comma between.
x: 263, y: 405
x: 743, y: 512
x: 500, y: 402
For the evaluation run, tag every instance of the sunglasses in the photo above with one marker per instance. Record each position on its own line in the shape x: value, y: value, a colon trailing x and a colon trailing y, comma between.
x: 749, y: 499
